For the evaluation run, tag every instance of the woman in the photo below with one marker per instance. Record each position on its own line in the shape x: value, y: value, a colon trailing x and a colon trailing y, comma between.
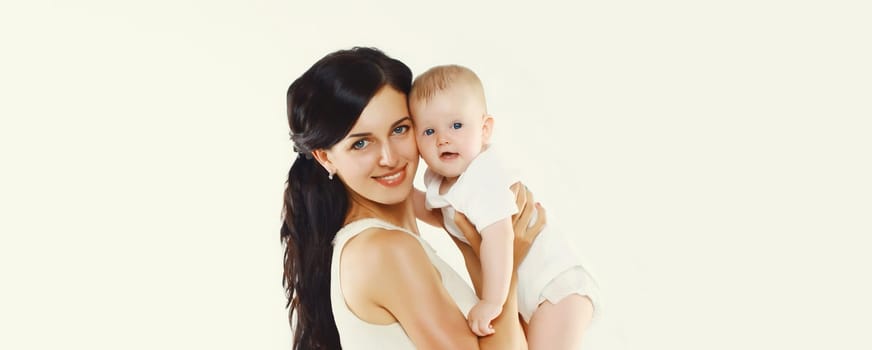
x: 355, y: 264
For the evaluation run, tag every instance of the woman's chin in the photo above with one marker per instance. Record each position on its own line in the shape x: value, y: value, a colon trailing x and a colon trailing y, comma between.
x: 394, y: 194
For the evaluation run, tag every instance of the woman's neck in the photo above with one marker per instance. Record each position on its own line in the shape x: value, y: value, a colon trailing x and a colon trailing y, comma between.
x: 401, y: 214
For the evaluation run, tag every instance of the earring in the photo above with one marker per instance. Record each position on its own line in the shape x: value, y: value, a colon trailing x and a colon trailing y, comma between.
x: 330, y: 175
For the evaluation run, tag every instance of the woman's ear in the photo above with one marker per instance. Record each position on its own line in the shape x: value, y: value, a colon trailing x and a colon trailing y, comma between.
x: 487, y: 128
x: 323, y: 158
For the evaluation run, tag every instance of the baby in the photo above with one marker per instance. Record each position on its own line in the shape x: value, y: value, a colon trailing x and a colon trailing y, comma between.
x: 465, y: 174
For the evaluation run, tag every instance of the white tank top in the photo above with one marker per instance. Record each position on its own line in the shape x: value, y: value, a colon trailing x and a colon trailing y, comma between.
x: 355, y: 333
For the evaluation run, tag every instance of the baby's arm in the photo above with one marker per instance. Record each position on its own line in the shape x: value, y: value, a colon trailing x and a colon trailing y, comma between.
x: 431, y: 217
x: 496, y: 264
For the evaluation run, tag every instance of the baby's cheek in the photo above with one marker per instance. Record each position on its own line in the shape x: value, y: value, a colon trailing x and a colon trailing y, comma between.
x: 417, y: 148
x: 422, y: 148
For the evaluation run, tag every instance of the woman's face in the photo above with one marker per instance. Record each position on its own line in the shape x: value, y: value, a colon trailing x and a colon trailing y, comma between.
x: 378, y: 158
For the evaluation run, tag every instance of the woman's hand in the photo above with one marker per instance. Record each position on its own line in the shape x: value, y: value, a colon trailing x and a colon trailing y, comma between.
x: 524, y: 233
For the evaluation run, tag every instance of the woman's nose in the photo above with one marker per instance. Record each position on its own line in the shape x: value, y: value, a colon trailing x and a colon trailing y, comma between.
x: 387, y: 158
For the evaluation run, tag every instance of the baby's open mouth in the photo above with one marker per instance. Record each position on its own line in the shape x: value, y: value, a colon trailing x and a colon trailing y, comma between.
x: 448, y: 155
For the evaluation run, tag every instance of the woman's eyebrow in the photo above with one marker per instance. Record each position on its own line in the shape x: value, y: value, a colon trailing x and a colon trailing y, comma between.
x: 400, y: 121
x: 369, y: 133
x: 359, y: 134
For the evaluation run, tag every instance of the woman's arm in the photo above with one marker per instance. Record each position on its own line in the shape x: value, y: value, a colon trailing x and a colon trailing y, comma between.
x: 431, y: 217
x: 387, y: 275
x: 504, y: 323
x: 473, y: 265
x: 392, y: 273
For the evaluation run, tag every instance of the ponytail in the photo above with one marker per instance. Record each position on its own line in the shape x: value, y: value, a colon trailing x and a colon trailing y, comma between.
x: 314, y: 210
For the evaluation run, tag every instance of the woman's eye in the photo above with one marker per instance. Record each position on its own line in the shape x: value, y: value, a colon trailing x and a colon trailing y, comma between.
x: 457, y: 125
x: 401, y: 129
x: 360, y: 144
x: 428, y: 132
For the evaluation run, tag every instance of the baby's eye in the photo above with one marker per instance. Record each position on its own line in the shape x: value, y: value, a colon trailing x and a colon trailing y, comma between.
x: 429, y: 132
x: 401, y: 129
x: 457, y: 125
x: 360, y: 144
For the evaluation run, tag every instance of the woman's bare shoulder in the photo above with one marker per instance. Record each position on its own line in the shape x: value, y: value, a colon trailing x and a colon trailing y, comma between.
x: 392, y: 272
x: 379, y: 250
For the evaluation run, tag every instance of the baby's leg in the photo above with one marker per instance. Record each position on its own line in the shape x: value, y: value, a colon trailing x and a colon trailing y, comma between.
x: 560, y: 326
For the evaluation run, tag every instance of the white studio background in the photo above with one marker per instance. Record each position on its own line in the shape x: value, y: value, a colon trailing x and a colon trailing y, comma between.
x: 712, y: 160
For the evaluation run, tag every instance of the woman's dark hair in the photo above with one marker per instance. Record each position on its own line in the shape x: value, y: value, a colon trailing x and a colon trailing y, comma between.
x: 323, y: 104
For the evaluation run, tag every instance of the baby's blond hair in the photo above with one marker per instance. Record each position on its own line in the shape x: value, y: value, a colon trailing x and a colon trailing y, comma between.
x: 443, y: 77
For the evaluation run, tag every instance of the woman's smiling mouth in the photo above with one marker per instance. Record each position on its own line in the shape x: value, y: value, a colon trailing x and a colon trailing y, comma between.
x: 393, y: 178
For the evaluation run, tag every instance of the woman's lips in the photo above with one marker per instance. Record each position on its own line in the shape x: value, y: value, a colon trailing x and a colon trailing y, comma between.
x: 393, y: 178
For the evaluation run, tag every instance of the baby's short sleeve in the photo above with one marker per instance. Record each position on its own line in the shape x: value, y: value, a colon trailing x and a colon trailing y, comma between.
x: 484, y: 191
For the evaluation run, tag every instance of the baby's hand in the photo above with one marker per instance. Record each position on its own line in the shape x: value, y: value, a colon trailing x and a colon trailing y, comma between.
x: 481, y: 315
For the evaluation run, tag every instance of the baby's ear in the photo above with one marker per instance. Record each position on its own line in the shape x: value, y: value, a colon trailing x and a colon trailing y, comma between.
x: 487, y: 128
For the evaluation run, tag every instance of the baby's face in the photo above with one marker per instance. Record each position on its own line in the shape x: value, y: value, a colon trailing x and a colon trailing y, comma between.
x: 449, y: 128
